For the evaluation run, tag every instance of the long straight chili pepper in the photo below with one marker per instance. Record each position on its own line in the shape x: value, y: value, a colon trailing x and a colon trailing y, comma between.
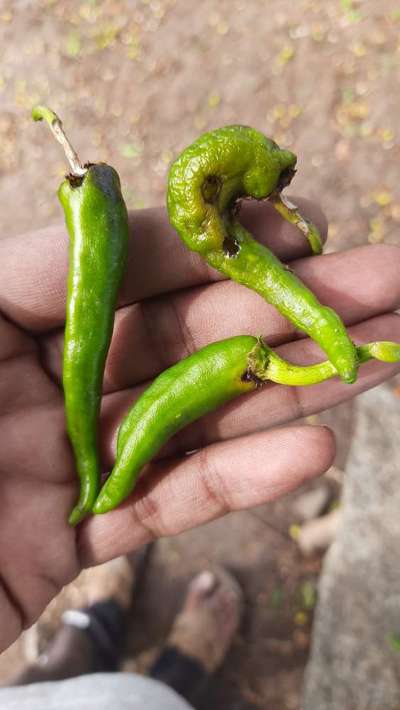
x: 97, y: 223
x: 204, y: 185
x: 197, y: 385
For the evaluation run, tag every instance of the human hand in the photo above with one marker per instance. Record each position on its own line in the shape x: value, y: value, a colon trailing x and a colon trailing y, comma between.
x: 171, y: 303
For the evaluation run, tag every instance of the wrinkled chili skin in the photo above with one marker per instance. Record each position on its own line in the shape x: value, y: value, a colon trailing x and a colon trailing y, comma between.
x: 181, y: 394
x: 97, y: 223
x: 204, y: 184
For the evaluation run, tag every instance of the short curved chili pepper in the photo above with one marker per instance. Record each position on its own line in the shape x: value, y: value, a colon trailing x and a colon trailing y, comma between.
x: 199, y: 384
x: 97, y: 223
x: 204, y: 186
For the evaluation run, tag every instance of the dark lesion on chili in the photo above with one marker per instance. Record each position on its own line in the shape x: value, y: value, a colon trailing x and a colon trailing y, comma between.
x: 230, y: 246
x: 250, y: 376
x: 211, y: 188
x: 285, y: 178
x: 75, y: 180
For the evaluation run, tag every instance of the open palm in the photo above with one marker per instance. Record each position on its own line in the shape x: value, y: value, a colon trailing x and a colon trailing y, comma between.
x: 171, y: 304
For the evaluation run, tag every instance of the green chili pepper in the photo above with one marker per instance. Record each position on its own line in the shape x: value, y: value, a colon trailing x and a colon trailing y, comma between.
x: 204, y: 185
x: 97, y: 223
x: 197, y: 385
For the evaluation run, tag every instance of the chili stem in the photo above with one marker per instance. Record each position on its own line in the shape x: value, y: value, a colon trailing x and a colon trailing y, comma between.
x: 40, y: 113
x: 267, y: 365
x: 290, y: 213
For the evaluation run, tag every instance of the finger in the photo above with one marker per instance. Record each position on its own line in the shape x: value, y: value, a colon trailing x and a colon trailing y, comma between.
x: 23, y: 382
x: 269, y: 406
x: 159, y: 262
x: 14, y: 342
x: 36, y: 449
x: 151, y: 336
x: 33, y: 267
x: 222, y: 478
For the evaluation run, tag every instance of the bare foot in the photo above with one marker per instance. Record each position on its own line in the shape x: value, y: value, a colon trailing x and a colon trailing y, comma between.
x: 89, y: 638
x: 205, y: 628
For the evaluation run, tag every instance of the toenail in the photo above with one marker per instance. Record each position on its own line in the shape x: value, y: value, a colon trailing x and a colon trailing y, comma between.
x: 206, y: 581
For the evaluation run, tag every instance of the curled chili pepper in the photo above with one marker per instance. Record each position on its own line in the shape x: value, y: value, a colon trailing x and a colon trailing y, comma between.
x: 204, y: 186
x: 199, y: 384
x: 97, y: 223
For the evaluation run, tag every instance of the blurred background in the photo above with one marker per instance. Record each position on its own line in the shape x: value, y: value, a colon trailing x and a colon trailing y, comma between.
x: 135, y: 82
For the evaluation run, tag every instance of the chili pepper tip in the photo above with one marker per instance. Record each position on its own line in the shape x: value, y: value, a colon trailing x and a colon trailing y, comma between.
x: 76, y: 516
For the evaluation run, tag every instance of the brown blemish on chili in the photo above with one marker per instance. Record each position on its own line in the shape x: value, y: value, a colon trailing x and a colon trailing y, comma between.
x: 211, y: 188
x: 230, y: 246
x: 250, y: 376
